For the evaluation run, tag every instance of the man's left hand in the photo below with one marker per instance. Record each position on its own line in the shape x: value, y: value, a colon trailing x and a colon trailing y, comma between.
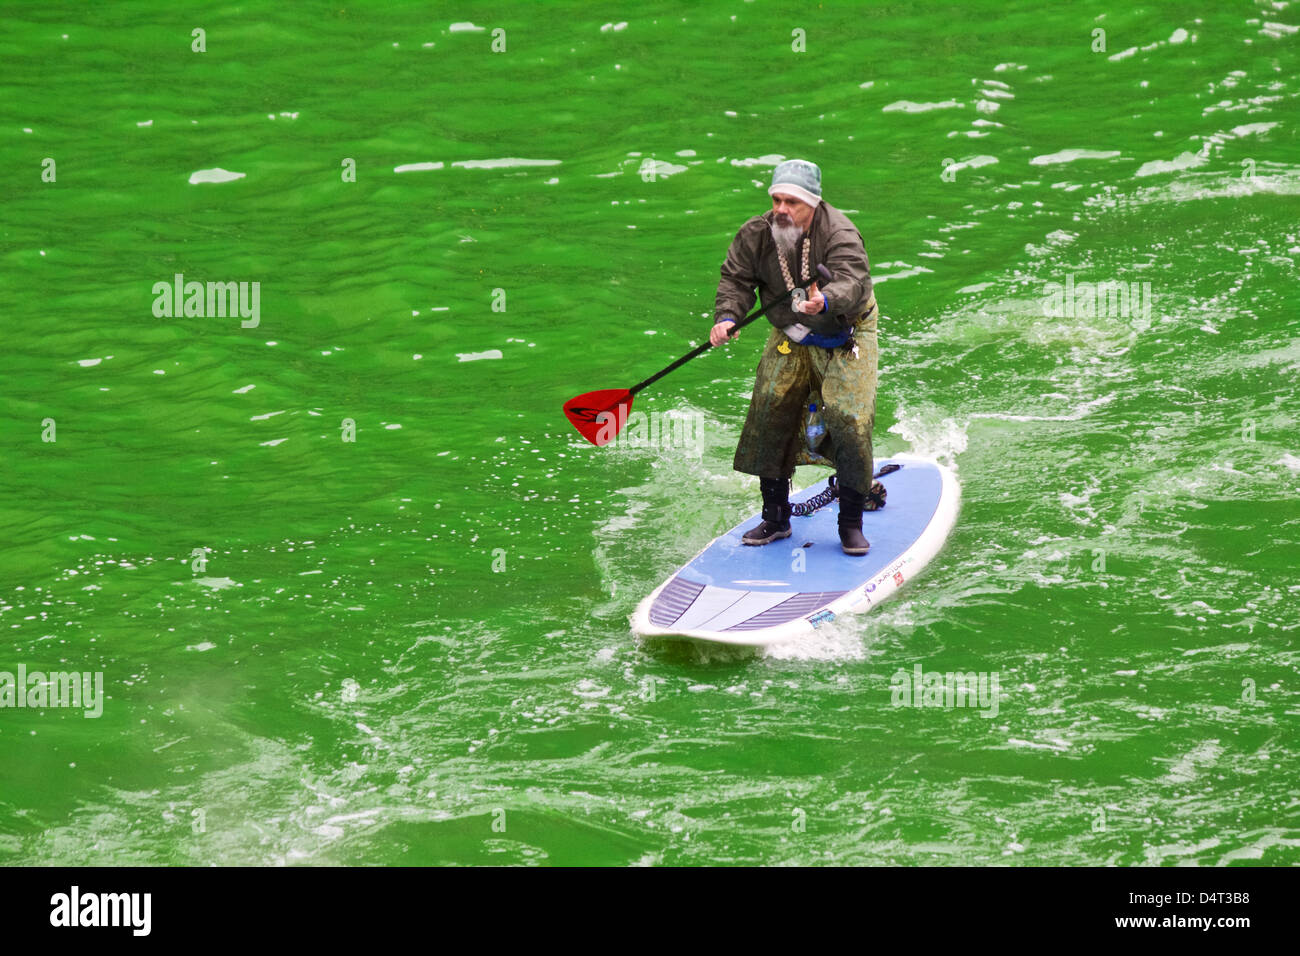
x: 814, y: 303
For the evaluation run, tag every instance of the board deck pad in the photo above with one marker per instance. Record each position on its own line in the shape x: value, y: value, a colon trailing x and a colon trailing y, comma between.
x: 745, y: 594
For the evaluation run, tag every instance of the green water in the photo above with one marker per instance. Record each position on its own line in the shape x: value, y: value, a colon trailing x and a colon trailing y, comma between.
x: 349, y: 680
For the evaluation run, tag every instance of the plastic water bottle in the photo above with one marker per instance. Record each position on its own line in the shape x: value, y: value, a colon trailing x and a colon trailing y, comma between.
x: 816, y: 429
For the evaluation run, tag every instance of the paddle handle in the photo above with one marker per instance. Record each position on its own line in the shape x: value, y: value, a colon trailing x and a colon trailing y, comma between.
x: 823, y: 275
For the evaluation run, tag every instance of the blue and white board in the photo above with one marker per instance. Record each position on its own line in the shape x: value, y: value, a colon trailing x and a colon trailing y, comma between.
x: 752, y: 596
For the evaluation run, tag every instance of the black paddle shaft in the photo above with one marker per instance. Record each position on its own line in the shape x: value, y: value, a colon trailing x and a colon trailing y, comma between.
x: 823, y: 275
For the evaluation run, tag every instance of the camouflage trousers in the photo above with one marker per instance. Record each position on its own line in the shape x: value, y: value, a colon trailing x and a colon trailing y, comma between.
x: 841, y: 382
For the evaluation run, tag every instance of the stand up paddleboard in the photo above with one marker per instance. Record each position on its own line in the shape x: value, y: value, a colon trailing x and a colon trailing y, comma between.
x: 752, y: 596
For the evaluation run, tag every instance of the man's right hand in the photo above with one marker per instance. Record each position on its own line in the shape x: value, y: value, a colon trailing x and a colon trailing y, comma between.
x: 719, y: 332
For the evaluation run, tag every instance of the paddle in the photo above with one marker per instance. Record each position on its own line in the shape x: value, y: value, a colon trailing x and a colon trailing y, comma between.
x: 592, y: 413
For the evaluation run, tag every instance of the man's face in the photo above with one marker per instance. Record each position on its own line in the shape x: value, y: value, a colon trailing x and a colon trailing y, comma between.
x: 790, y: 211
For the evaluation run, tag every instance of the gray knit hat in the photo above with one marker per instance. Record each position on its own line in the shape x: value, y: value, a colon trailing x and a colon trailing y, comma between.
x: 798, y: 178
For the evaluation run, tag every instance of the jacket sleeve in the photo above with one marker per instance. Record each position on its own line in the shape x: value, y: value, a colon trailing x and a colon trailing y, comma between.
x: 846, y: 258
x: 736, y: 288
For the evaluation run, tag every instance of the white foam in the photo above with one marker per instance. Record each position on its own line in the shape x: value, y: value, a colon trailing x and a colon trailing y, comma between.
x: 1278, y: 30
x: 771, y: 159
x: 504, y: 163
x: 1057, y: 745
x: 215, y: 583
x: 1209, y: 185
x: 657, y: 167
x: 905, y: 274
x: 834, y: 641
x: 1070, y: 155
x: 1078, y: 413
x: 1184, y: 160
x: 416, y: 167
x: 1203, y: 754
x: 907, y: 106
x: 973, y: 163
x: 215, y: 175
x: 1251, y: 128
x: 930, y: 437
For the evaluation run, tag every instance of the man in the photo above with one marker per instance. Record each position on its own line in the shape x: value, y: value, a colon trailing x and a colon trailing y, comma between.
x: 826, y: 343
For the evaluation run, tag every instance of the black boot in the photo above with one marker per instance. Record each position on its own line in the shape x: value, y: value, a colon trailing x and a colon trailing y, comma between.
x: 850, y: 521
x: 776, y: 512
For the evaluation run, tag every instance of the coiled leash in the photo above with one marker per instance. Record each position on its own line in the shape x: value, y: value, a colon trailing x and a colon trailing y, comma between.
x: 874, y: 499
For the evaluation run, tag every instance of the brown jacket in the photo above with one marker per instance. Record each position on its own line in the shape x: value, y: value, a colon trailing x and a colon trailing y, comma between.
x: 752, y: 261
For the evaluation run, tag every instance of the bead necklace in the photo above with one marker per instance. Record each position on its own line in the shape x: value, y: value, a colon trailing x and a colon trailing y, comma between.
x: 785, y: 269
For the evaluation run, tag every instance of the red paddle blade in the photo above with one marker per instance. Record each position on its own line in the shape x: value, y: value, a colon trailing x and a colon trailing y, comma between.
x: 599, y: 416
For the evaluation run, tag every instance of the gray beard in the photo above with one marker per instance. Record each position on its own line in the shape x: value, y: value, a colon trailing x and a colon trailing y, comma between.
x: 787, y: 238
